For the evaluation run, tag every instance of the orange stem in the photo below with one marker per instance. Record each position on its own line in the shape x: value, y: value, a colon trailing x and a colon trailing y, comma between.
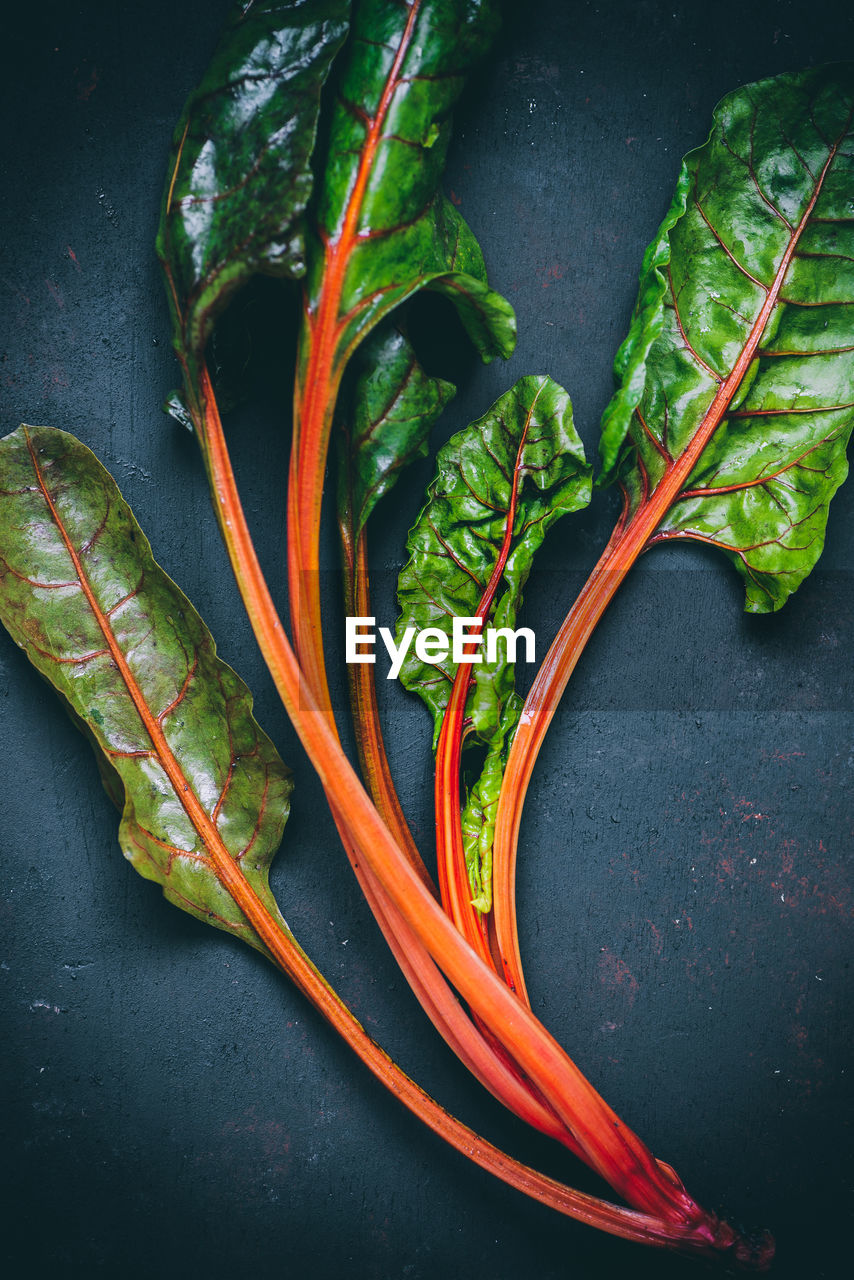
x: 614, y: 1151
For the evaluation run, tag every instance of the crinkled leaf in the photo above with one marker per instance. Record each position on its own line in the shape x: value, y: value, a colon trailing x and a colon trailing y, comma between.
x: 481, y: 808
x: 384, y: 231
x: 527, y: 444
x: 740, y: 357
x: 125, y: 649
x: 240, y: 174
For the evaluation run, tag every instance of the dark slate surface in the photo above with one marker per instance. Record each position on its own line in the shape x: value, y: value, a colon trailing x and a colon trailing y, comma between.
x: 172, y: 1107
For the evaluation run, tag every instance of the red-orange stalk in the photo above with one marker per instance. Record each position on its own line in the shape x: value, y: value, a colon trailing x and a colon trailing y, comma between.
x: 453, y: 876
x: 612, y: 1149
x: 320, y: 364
x: 473, y: 1045
x: 373, y: 761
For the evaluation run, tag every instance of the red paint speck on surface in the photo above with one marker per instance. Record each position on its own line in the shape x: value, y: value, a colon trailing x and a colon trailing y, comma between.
x: 73, y: 256
x: 615, y: 974
x: 781, y: 757
x: 455, y: 199
x: 657, y: 940
x: 54, y: 293
x: 85, y: 91
x: 550, y: 274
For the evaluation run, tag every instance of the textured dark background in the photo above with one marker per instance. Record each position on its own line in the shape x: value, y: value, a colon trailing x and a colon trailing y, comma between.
x: 171, y: 1107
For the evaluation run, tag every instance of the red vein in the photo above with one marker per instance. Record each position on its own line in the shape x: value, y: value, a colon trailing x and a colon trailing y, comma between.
x: 784, y: 413
x: 182, y: 692
x: 747, y: 484
x: 691, y: 349
x: 729, y: 253
x: 653, y: 439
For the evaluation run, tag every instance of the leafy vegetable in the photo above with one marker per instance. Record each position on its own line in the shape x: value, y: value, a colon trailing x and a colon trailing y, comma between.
x: 205, y: 793
x: 454, y: 251
x: 394, y: 406
x: 736, y: 381
x: 501, y: 485
x: 749, y: 381
x: 201, y: 407
x: 383, y: 233
x: 240, y: 174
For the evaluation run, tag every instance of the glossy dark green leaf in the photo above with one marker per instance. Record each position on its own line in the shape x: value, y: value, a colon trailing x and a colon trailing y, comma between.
x: 240, y: 174
x: 394, y: 405
x: 384, y: 230
x: 740, y: 357
x: 526, y: 445
x: 125, y: 649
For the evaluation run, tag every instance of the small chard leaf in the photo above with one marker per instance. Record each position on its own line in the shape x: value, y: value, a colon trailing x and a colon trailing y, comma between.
x: 524, y: 447
x: 384, y: 231
x: 395, y: 403
x: 205, y: 795
x: 481, y: 808
x: 735, y: 395
x: 394, y: 407
x: 501, y: 484
x: 240, y: 173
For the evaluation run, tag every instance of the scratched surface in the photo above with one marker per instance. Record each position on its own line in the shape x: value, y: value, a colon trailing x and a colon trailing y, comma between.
x: 172, y: 1107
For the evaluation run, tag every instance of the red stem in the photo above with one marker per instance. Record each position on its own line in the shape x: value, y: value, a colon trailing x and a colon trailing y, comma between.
x: 614, y: 1151
x: 453, y: 876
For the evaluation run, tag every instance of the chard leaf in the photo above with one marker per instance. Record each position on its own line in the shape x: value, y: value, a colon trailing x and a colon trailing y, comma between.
x: 499, y: 487
x: 481, y: 807
x: 395, y: 403
x: 735, y: 395
x: 526, y: 445
x: 240, y: 174
x: 501, y: 484
x: 394, y: 407
x: 383, y: 229
x: 205, y: 794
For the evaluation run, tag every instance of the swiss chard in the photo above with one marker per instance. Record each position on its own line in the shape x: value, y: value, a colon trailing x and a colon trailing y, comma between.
x: 383, y: 234
x: 735, y: 397
x: 734, y: 405
x: 394, y: 405
x: 501, y: 484
x: 240, y: 173
x: 203, y: 791
x: 434, y: 41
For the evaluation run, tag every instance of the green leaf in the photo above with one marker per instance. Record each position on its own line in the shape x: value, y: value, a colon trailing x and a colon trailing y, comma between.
x: 240, y: 174
x: 481, y: 808
x: 394, y: 407
x: 525, y: 445
x: 735, y: 395
x: 202, y: 785
x: 384, y: 231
